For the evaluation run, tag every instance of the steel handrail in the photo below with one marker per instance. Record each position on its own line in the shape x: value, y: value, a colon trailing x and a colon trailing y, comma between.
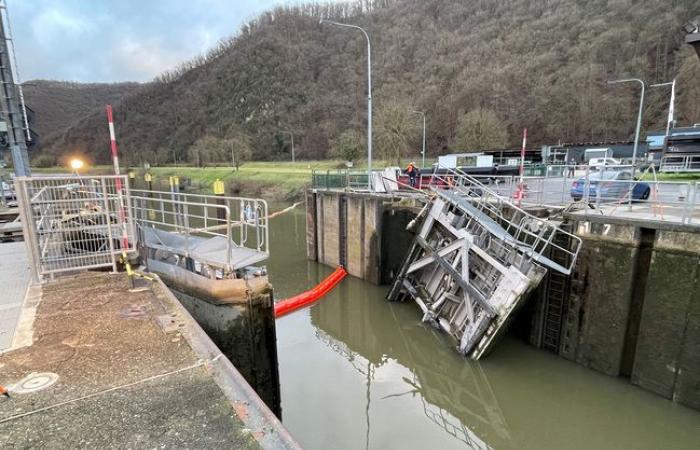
x: 185, y: 227
x: 485, y: 201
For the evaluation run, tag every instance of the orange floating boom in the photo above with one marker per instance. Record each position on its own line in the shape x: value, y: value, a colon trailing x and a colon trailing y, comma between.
x: 307, y: 297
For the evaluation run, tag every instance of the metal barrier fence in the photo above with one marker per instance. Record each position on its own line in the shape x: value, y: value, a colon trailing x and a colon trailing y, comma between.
x: 339, y: 179
x: 241, y: 221
x: 612, y: 190
x: 74, y: 222
x: 680, y: 163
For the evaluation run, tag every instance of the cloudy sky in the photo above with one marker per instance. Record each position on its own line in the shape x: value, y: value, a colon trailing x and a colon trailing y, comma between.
x: 120, y: 40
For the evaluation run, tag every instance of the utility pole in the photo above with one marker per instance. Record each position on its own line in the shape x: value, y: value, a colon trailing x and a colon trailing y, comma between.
x: 12, y: 110
x: 369, y: 94
x: 671, y: 106
x: 636, y: 132
x: 639, y: 118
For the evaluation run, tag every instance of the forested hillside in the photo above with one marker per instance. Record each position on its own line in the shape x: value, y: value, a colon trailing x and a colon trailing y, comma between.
x: 540, y: 64
x: 60, y: 103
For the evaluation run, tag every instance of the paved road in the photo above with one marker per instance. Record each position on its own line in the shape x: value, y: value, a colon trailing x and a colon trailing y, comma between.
x: 14, y: 280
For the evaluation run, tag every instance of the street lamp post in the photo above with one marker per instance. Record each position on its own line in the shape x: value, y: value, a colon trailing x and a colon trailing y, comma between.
x: 639, y: 118
x: 369, y: 95
x: 636, y: 132
x: 671, y: 104
x: 423, y: 152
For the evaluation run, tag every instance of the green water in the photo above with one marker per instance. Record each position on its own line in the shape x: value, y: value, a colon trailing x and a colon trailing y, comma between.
x: 357, y: 372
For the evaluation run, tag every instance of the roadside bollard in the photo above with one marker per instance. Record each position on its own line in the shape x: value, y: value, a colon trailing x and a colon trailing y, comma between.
x: 219, y: 191
x: 174, y: 191
x: 148, y: 178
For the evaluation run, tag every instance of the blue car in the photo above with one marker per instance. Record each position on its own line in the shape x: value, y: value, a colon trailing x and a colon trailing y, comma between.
x: 611, y: 185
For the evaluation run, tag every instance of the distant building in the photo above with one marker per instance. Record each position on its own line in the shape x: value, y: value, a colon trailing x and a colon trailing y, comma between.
x: 622, y: 150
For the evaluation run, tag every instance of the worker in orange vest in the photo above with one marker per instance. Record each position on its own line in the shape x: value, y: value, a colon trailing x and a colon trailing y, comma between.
x: 412, y: 171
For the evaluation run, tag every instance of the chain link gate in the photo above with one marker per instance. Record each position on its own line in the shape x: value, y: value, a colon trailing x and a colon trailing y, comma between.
x: 75, y: 222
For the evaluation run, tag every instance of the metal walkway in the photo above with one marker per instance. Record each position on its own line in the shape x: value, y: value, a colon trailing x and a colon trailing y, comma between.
x: 475, y: 258
x: 73, y: 223
x: 202, y: 232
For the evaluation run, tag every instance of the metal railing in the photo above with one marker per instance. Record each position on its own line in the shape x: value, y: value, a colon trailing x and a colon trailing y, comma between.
x: 241, y: 221
x: 530, y: 235
x: 603, y: 191
x: 680, y: 163
x: 75, y: 223
x: 339, y: 179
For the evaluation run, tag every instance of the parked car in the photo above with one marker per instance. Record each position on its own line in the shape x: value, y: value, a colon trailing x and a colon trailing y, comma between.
x: 613, y: 185
x: 607, y: 161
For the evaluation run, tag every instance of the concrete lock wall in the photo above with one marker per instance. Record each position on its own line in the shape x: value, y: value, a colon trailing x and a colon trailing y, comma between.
x: 633, y: 308
x: 668, y: 349
x: 345, y: 229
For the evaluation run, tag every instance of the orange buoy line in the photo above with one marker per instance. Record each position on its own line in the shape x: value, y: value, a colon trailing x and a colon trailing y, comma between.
x: 307, y: 297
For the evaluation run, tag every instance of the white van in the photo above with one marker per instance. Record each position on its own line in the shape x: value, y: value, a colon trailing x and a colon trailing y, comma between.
x: 607, y: 161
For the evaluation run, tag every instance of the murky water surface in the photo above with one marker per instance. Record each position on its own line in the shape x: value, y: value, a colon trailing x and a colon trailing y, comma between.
x: 359, y: 372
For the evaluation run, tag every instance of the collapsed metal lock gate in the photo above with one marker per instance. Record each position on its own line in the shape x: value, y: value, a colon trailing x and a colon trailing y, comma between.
x: 474, y: 259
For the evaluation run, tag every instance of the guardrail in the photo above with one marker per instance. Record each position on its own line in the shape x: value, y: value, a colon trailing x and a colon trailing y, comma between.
x: 680, y: 163
x: 241, y: 221
x: 604, y: 191
x: 74, y: 222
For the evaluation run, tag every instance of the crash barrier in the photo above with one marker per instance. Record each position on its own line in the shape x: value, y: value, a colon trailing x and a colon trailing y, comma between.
x: 307, y: 297
x: 74, y: 223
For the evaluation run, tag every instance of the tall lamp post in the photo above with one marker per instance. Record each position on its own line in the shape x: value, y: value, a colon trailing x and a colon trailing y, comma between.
x: 639, y: 118
x: 369, y: 95
x: 671, y: 104
x: 636, y: 132
x: 423, y: 153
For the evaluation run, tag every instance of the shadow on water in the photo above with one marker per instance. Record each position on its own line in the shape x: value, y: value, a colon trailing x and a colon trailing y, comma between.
x: 359, y: 372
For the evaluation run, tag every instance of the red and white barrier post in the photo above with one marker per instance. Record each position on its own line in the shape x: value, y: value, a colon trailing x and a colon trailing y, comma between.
x: 520, y: 191
x: 118, y: 181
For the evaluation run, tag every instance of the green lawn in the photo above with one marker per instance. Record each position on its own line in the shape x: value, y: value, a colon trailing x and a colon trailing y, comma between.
x: 672, y: 177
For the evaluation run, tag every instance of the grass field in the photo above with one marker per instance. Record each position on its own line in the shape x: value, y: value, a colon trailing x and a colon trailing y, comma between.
x: 273, y: 180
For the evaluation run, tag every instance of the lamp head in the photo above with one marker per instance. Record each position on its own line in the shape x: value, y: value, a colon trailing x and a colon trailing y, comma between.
x: 76, y: 164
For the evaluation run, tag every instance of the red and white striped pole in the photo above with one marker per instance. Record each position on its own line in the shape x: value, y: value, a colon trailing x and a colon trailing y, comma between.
x: 113, y: 141
x: 118, y: 181
x: 521, y: 184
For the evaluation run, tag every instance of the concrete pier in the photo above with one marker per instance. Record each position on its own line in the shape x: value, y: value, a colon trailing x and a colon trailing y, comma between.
x: 132, y: 369
x: 350, y: 229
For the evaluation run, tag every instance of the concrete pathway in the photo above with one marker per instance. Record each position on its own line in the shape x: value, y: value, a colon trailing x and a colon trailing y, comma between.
x: 131, y: 369
x: 14, y: 281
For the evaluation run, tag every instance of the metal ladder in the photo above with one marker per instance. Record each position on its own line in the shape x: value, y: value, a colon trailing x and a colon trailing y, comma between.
x: 557, y: 298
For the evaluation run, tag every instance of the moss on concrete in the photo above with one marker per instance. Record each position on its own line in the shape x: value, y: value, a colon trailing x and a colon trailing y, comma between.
x: 607, y: 273
x: 670, y: 288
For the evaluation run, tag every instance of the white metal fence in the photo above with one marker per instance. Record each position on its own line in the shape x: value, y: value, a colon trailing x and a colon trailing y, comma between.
x: 74, y: 223
x: 234, y: 224
x: 680, y: 163
x: 609, y: 190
